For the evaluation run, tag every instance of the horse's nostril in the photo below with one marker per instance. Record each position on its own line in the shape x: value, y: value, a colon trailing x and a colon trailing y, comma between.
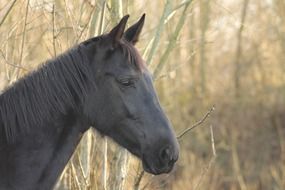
x: 165, y: 155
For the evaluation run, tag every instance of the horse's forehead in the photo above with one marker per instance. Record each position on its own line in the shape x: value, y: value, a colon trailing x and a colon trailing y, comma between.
x: 122, y: 64
x: 121, y: 68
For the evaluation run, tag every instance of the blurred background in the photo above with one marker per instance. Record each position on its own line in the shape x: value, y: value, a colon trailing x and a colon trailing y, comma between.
x: 203, y: 53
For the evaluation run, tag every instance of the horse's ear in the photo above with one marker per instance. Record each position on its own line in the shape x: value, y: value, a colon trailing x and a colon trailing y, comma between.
x: 117, y: 32
x: 132, y: 33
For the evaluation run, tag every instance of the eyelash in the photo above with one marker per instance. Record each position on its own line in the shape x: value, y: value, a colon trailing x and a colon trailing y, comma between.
x: 127, y: 82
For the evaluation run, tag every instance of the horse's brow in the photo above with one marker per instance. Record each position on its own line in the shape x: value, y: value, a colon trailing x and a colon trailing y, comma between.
x: 128, y: 76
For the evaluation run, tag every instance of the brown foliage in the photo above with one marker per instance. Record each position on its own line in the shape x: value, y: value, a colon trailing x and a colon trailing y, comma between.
x: 198, y: 70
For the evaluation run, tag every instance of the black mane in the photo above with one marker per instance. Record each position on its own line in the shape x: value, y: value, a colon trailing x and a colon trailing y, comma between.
x: 51, y: 90
x: 58, y: 86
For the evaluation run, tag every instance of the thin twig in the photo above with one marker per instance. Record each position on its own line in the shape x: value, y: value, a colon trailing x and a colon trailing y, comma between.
x: 74, y: 174
x: 11, y: 64
x: 71, y: 18
x: 86, y: 25
x: 179, y: 137
x: 236, y: 164
x: 206, y: 169
x: 179, y: 66
x: 146, y: 185
x: 105, y: 162
x: 138, y: 180
x: 213, y: 141
x: 196, y: 124
x: 6, y: 10
x: 102, y: 19
x: 53, y: 31
x: 182, y: 4
x: 23, y: 40
x: 81, y: 170
x: 93, y: 21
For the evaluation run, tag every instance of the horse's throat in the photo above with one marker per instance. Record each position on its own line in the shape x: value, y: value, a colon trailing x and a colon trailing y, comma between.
x: 39, y: 158
x: 62, y: 152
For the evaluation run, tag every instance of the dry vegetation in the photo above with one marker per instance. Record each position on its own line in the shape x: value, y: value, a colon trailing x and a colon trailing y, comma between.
x: 230, y: 54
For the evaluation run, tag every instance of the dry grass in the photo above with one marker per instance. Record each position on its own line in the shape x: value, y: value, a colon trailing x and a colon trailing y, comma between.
x: 249, y: 151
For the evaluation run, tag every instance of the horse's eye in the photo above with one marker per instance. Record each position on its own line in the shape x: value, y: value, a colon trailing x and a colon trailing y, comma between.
x: 127, y: 82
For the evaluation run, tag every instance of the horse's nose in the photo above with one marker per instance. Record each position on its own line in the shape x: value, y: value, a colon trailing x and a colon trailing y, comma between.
x: 167, y: 156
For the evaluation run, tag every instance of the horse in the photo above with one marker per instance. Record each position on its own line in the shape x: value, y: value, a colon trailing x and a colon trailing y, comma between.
x: 101, y: 83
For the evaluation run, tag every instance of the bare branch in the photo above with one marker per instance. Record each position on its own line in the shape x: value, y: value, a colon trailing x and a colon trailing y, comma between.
x: 53, y: 31
x: 206, y: 169
x: 23, y: 39
x: 179, y: 137
x: 172, y: 42
x: 105, y: 163
x: 6, y: 10
x: 160, y: 27
x: 102, y: 19
x: 72, y: 19
x: 196, y: 124
x: 138, y: 180
x: 11, y: 64
x: 213, y: 141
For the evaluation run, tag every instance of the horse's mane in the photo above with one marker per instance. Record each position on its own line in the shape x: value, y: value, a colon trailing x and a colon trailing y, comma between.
x: 57, y: 87
x: 50, y: 90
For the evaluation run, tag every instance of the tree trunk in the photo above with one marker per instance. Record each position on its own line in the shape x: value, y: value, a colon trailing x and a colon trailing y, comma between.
x: 204, y: 23
x: 237, y: 62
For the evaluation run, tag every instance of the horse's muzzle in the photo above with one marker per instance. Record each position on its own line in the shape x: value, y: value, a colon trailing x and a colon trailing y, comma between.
x: 162, y: 163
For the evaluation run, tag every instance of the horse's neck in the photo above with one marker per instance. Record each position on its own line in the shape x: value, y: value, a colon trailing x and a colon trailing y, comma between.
x: 2, y: 131
x: 62, y: 151
x: 37, y: 160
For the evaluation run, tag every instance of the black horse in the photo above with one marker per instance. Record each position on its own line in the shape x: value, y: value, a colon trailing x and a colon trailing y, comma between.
x: 102, y: 82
